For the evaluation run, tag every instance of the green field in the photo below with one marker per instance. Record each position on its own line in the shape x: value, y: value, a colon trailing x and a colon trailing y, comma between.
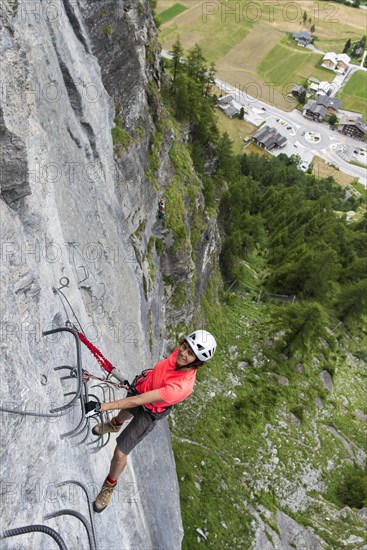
x: 250, y: 46
x: 353, y: 96
x: 215, y: 38
x: 170, y: 13
x: 273, y: 67
x: 285, y: 64
x: 236, y: 129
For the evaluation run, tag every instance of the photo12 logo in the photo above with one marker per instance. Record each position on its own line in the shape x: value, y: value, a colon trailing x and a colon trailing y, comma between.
x: 52, y: 252
x: 52, y: 492
x: 268, y: 11
x: 48, y: 11
x: 52, y: 92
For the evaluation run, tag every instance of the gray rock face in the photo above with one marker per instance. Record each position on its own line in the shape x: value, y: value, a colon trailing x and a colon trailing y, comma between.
x: 327, y: 380
x: 299, y: 368
x: 14, y: 184
x: 289, y: 535
x: 294, y: 535
x: 360, y: 415
x: 67, y: 221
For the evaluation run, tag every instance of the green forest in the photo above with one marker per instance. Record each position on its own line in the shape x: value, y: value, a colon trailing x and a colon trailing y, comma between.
x: 291, y: 306
x: 269, y: 208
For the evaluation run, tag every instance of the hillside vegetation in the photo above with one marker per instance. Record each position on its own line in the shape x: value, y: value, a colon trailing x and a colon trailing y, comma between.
x: 274, y: 434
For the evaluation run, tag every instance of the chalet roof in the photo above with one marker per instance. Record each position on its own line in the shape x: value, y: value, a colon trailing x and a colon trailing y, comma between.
x: 330, y: 56
x: 231, y: 110
x: 269, y: 137
x: 324, y: 88
x: 261, y: 132
x: 281, y: 141
x: 328, y: 101
x: 357, y: 122
x: 315, y: 108
x: 299, y: 89
x: 343, y: 57
x: 361, y: 125
x: 302, y: 35
x: 225, y: 99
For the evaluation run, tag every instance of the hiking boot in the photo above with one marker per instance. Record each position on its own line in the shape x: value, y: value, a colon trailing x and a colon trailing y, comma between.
x: 106, y: 427
x: 103, y: 497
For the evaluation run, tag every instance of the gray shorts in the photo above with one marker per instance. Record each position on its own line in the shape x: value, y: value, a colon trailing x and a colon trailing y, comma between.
x: 140, y: 426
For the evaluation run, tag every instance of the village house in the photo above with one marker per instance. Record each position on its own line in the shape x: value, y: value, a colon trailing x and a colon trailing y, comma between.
x: 314, y: 111
x: 354, y: 127
x: 230, y: 106
x: 269, y: 138
x: 331, y: 103
x: 298, y: 90
x: 336, y: 62
x: 302, y: 38
x: 324, y: 88
x: 322, y: 107
x: 313, y: 84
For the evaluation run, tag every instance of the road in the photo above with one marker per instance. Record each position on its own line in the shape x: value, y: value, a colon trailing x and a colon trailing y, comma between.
x: 295, y: 127
x: 295, y: 130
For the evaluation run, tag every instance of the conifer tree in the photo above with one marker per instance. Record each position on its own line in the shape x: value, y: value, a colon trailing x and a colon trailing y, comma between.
x: 304, y: 323
x: 196, y: 68
x: 225, y: 160
x: 352, y: 302
x: 181, y: 92
x: 177, y: 57
x: 347, y: 46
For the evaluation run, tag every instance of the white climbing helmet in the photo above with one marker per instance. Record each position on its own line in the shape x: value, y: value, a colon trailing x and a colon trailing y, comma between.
x: 202, y: 343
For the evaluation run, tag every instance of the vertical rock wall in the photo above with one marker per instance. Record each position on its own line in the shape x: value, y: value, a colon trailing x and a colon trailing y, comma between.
x: 67, y: 213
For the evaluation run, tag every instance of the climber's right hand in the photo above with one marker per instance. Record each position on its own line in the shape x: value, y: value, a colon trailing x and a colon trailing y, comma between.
x: 92, y: 408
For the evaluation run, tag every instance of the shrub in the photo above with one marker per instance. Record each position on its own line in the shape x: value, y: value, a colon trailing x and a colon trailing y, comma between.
x: 159, y: 245
x: 298, y: 411
x: 107, y: 31
x: 120, y: 137
x: 352, y: 490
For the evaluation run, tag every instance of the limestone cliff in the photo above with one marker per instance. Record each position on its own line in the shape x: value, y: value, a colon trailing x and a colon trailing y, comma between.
x: 79, y: 210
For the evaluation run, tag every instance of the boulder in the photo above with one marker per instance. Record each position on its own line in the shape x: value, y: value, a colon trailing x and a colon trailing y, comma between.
x: 325, y: 377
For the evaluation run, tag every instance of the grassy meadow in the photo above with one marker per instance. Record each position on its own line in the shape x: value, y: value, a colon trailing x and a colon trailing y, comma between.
x: 236, y: 129
x: 323, y: 170
x: 353, y: 96
x: 170, y: 13
x: 242, y: 440
x: 250, y: 44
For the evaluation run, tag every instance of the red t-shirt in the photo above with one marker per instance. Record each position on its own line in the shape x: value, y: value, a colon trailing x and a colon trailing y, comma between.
x: 173, y: 385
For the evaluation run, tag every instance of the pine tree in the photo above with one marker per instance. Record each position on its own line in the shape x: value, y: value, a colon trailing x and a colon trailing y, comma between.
x: 347, y: 46
x: 304, y: 323
x: 209, y: 79
x: 352, y: 302
x: 177, y: 57
x: 195, y: 65
x: 302, y: 97
x: 225, y: 164
x: 182, y: 98
x: 304, y: 17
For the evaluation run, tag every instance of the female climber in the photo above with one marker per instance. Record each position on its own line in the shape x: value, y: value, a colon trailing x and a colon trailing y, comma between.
x: 150, y: 399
